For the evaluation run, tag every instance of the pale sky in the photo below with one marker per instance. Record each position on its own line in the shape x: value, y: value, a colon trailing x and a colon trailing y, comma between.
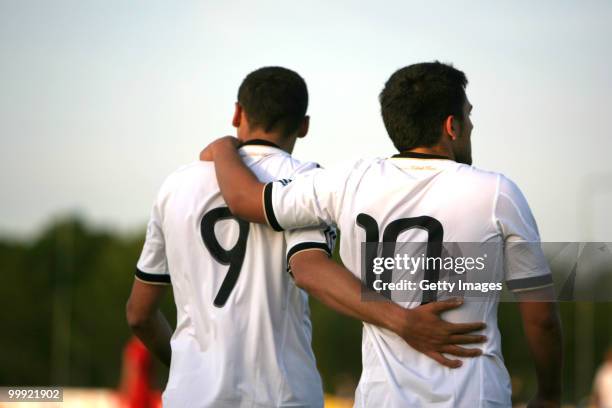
x: 100, y: 100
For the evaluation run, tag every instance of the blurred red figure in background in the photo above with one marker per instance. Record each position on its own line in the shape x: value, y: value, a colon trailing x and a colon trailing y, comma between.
x: 602, y: 390
x: 135, y: 390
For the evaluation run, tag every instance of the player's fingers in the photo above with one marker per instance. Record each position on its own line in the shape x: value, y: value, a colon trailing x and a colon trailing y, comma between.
x: 460, y: 328
x: 441, y: 306
x: 466, y: 339
x: 443, y: 360
x: 460, y: 351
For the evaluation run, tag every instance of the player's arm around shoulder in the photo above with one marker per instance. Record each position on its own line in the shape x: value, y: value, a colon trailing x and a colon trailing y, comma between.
x: 241, y: 189
x: 281, y: 205
x: 335, y: 286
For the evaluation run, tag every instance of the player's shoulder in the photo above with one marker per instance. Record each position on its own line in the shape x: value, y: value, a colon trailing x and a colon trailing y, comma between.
x: 477, y: 173
x: 357, y: 165
x: 276, y: 163
x: 349, y: 169
x: 480, y: 178
x: 366, y: 162
x: 345, y: 169
x: 477, y: 177
x: 353, y: 170
x: 298, y: 166
x: 197, y: 170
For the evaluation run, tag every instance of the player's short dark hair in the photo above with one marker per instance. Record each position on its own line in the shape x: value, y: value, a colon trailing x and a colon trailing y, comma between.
x: 274, y: 98
x: 417, y: 99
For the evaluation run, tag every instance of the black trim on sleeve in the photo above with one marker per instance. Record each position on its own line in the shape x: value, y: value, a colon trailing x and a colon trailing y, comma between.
x: 152, y: 277
x: 529, y: 283
x: 302, y: 246
x: 269, y: 209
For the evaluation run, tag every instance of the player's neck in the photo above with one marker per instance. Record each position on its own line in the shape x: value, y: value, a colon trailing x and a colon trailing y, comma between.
x: 435, y: 150
x: 284, y: 143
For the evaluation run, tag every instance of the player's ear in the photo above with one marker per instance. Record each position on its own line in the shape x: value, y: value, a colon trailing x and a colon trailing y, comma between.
x: 237, y: 115
x: 451, y: 127
x: 303, y: 130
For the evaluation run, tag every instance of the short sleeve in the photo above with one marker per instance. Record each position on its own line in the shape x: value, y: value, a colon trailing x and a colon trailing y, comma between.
x: 309, y: 239
x: 525, y: 265
x: 152, y: 266
x: 311, y: 200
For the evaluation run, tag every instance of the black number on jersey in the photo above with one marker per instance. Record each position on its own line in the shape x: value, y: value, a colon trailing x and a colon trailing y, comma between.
x: 234, y: 257
x: 435, y: 236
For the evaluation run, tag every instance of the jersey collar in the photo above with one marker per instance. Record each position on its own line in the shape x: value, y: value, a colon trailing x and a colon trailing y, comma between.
x: 415, y: 155
x: 259, y: 142
x: 261, y: 147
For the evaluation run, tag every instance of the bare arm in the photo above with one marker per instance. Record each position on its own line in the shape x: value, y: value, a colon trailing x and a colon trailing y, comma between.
x: 422, y: 328
x: 241, y: 190
x: 146, y: 320
x: 544, y: 337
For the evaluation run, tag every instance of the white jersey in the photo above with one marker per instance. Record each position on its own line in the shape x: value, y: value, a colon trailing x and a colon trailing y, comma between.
x: 461, y: 203
x: 243, y: 332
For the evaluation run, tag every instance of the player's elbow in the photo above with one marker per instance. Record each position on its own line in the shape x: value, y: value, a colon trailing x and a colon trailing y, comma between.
x: 136, y: 318
x: 296, y: 266
x: 548, y: 323
x: 544, y: 321
x: 303, y: 269
x: 301, y: 279
x: 539, y: 313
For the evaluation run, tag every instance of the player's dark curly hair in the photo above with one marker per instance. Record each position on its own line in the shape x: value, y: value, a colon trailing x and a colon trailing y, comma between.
x: 274, y: 98
x: 417, y: 99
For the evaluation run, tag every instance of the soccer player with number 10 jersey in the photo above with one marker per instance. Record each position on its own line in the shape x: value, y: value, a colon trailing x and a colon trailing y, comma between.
x: 429, y: 187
